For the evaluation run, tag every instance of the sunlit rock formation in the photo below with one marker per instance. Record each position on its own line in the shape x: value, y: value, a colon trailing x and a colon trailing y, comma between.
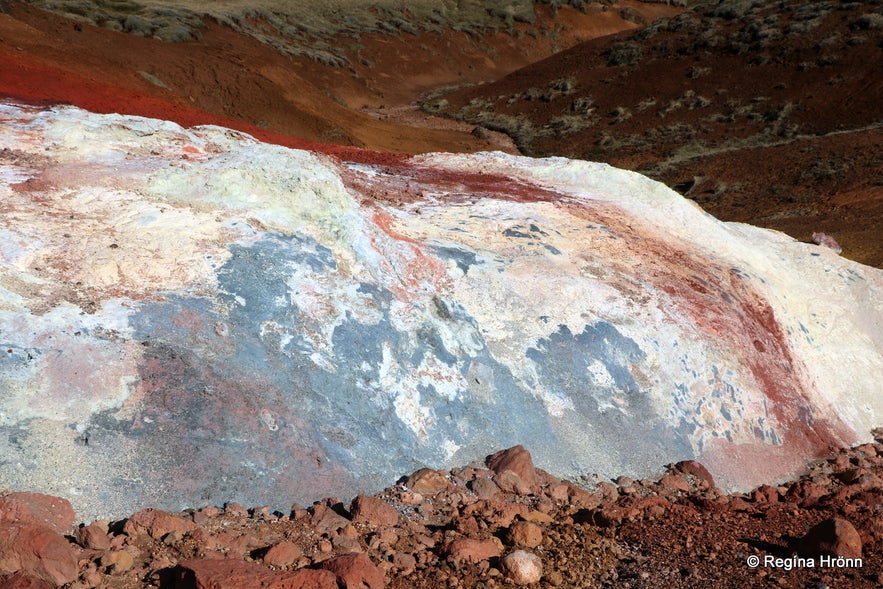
x: 191, y: 317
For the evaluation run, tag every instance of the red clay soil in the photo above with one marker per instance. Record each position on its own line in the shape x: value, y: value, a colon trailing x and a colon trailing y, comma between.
x: 768, y: 113
x: 233, y: 80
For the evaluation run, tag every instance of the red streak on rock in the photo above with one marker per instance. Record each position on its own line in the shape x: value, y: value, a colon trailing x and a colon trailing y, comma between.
x: 724, y: 305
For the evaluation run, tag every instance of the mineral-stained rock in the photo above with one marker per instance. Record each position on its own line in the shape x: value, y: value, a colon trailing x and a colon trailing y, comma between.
x: 522, y: 567
x: 471, y: 550
x: 484, y: 487
x: 427, y: 481
x: 118, y: 561
x: 355, y: 571
x: 186, y: 312
x: 373, y: 511
x: 832, y: 537
x: 674, y: 482
x: 695, y: 469
x: 236, y: 574
x: 325, y: 520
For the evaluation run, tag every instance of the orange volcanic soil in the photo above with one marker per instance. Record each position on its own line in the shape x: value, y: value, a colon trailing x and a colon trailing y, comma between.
x: 230, y: 79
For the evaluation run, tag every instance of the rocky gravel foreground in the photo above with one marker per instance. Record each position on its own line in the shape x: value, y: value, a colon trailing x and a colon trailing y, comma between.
x: 503, y: 523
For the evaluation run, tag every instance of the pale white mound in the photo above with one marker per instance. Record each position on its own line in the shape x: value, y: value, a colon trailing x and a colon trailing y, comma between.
x: 192, y: 317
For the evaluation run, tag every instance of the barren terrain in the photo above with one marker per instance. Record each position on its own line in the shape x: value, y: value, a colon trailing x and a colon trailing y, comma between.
x: 767, y: 113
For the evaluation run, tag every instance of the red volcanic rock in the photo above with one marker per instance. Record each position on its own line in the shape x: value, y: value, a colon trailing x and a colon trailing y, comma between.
x: 522, y: 567
x: 805, y: 493
x: 355, y: 571
x: 282, y: 554
x: 526, y: 534
x: 515, y: 459
x: 118, y: 561
x: 427, y: 481
x: 674, y: 482
x: 37, y: 550
x: 156, y: 524
x: 484, y: 487
x: 55, y: 512
x: 236, y: 574
x: 23, y: 581
x: 469, y: 550
x: 832, y: 537
x: 371, y: 510
x: 693, y: 468
x: 765, y: 494
x: 326, y: 520
x: 93, y: 536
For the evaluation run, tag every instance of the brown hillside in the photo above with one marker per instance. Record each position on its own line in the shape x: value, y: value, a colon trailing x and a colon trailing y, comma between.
x: 766, y: 112
x: 365, y: 102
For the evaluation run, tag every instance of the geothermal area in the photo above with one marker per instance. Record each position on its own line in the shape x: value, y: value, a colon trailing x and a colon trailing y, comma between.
x: 366, y: 294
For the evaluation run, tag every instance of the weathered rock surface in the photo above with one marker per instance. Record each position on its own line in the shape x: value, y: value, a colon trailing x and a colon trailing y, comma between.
x: 33, y: 548
x: 236, y: 574
x: 184, y: 313
x: 522, y: 567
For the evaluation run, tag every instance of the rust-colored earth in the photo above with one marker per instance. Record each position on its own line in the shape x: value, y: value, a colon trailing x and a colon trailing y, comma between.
x: 230, y: 79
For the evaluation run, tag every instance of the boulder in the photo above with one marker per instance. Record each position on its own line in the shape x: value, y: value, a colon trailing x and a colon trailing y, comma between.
x: 237, y: 574
x: 355, y: 571
x: 832, y: 537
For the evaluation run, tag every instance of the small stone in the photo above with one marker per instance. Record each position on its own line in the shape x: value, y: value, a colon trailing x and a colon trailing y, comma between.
x: 374, y: 511
x: 470, y: 550
x: 526, y: 534
x: 282, y: 554
x: 405, y: 562
x: 516, y: 460
x: 93, y: 536
x: 427, y: 482
x: 484, y: 488
x: 118, y: 561
x: 522, y: 567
